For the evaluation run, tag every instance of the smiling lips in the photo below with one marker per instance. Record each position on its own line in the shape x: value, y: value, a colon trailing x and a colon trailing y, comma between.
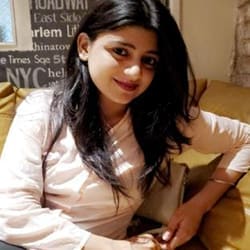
x: 128, y: 86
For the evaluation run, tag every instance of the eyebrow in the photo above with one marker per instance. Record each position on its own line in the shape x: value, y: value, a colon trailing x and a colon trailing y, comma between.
x: 155, y: 52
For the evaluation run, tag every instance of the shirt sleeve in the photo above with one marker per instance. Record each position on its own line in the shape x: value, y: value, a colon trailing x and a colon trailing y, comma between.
x: 211, y: 133
x: 22, y: 219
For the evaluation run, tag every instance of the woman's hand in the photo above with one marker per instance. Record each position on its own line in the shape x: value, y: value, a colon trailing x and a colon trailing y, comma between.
x: 183, y: 224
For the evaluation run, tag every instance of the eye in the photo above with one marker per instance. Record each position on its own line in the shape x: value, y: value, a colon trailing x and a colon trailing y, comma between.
x: 150, y: 62
x: 120, y: 51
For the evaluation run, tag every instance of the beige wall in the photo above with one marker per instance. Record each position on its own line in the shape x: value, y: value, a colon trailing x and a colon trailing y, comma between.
x: 208, y: 29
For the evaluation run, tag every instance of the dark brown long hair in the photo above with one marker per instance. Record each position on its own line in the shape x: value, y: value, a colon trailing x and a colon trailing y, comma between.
x: 154, y: 114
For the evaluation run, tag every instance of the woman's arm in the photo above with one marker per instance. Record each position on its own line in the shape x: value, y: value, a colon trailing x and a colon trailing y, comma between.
x: 211, y: 134
x: 22, y: 219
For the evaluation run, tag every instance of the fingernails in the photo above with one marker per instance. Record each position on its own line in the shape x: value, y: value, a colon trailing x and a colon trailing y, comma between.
x: 166, y: 236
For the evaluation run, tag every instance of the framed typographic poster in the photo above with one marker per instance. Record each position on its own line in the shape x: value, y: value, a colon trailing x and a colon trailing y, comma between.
x: 44, y: 34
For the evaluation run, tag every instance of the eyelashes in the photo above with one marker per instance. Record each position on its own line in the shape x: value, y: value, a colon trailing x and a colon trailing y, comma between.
x: 150, y: 62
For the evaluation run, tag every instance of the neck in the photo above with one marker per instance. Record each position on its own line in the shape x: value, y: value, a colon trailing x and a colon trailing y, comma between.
x: 112, y: 118
x: 112, y: 112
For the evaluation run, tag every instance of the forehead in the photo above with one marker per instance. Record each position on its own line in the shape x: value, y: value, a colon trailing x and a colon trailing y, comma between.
x: 135, y: 35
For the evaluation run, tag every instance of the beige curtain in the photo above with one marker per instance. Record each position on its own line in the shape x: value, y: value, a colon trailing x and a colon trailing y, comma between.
x: 240, y: 70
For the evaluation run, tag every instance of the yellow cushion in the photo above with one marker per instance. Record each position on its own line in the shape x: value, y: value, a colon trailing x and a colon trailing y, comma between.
x: 7, y: 109
x: 227, y: 99
x: 193, y: 158
x: 7, y: 98
x: 227, y: 225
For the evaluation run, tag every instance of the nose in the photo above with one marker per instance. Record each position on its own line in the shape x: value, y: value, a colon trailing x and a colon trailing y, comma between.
x: 133, y: 71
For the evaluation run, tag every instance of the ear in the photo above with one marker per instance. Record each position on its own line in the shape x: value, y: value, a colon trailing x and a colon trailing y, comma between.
x: 83, y: 46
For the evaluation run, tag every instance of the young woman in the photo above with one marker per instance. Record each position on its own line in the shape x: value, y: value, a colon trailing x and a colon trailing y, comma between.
x: 79, y: 158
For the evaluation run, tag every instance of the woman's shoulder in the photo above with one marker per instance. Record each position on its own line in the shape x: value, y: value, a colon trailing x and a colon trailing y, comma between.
x: 38, y: 101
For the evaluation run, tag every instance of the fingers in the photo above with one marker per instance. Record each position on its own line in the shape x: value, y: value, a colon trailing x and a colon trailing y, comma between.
x: 182, y: 226
x: 179, y: 236
x: 172, y: 228
x: 177, y: 241
x: 166, y: 236
x: 144, y: 242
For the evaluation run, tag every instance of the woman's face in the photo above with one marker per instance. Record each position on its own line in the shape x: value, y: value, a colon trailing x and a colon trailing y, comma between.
x: 121, y: 63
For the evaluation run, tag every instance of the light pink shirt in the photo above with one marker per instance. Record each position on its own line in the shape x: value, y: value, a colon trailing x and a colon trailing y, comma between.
x: 78, y: 202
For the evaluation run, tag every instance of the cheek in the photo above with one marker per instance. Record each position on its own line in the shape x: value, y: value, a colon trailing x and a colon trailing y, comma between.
x: 95, y: 67
x: 95, y: 72
x: 101, y: 66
